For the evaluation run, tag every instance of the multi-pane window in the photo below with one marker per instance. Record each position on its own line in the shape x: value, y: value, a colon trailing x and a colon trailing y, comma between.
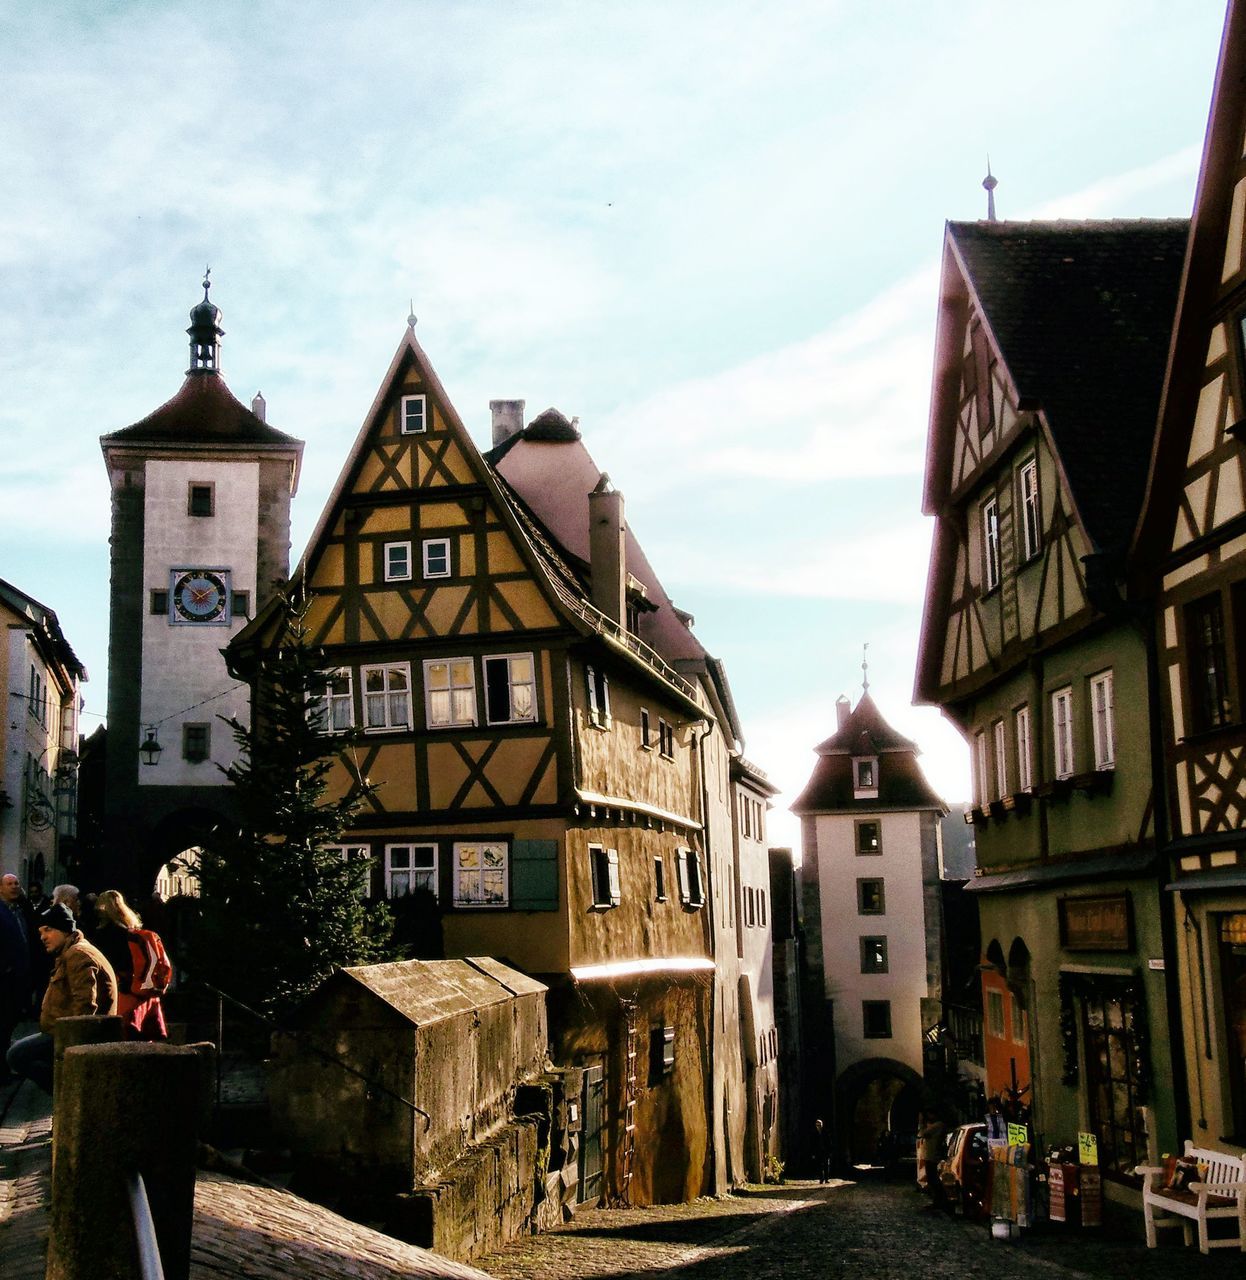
x: 871, y: 897
x: 1102, y: 723
x: 980, y: 769
x: 1025, y: 776
x: 1209, y: 682
x: 449, y: 692
x: 599, y: 697
x: 397, y: 561
x: 604, y: 866
x: 412, y: 416
x: 331, y: 708
x: 876, y: 1019
x: 356, y: 856
x: 387, y: 696
x: 510, y: 689
x: 1062, y: 732
x: 1016, y: 1016
x: 436, y: 554
x: 1031, y: 527
x: 1001, y: 760
x: 869, y: 836
x: 196, y: 742
x: 409, y: 867
x: 874, y: 955
x: 480, y: 874
x: 990, y: 542
x: 995, y: 1014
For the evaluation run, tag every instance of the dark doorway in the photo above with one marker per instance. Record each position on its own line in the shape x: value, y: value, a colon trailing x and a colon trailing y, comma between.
x: 592, y: 1105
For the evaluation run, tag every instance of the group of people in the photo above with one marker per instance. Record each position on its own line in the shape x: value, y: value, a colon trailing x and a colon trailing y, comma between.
x: 55, y: 959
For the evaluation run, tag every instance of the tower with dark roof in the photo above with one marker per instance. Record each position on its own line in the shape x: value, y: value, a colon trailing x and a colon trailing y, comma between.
x: 873, y: 927
x: 201, y: 493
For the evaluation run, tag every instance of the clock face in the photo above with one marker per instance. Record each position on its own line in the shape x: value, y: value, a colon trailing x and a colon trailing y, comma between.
x: 199, y: 595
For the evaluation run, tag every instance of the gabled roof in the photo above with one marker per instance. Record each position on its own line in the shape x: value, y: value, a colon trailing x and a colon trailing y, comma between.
x: 46, y: 624
x: 1200, y: 285
x: 204, y: 411
x: 427, y: 991
x: 1082, y: 313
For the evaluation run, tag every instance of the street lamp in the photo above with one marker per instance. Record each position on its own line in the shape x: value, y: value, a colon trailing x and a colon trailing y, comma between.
x: 151, y: 749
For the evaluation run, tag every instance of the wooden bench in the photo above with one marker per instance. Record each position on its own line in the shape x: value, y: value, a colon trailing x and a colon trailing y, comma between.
x: 1221, y: 1195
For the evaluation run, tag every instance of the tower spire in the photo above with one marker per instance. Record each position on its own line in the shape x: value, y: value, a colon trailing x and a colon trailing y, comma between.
x: 865, y: 667
x: 989, y: 183
x: 205, y: 332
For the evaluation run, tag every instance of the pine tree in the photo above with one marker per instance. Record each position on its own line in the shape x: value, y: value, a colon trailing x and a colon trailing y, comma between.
x: 282, y: 907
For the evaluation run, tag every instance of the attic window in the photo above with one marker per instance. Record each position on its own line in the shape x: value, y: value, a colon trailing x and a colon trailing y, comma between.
x: 411, y: 417
x: 865, y: 777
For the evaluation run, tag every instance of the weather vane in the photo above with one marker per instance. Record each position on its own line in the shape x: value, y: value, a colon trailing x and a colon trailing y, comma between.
x: 865, y: 668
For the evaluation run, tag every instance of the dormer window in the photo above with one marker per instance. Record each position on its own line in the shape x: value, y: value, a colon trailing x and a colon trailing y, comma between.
x: 865, y: 777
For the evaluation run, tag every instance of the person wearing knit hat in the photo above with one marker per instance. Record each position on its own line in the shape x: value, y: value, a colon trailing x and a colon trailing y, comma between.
x: 82, y: 983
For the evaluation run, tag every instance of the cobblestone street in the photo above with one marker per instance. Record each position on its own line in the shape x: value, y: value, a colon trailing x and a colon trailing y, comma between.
x: 845, y: 1229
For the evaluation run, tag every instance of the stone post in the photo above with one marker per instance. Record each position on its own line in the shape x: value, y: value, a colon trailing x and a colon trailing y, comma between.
x: 87, y: 1029
x: 122, y: 1108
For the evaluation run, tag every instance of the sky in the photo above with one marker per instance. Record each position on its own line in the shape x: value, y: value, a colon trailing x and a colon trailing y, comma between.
x: 709, y: 230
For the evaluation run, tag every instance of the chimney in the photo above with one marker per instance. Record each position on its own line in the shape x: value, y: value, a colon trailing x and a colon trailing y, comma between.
x: 259, y: 406
x: 507, y: 419
x: 842, y: 709
x: 606, y: 549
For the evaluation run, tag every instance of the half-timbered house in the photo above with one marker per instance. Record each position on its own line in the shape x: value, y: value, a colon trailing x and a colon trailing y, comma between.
x: 1049, y: 361
x: 1190, y: 556
x: 549, y: 749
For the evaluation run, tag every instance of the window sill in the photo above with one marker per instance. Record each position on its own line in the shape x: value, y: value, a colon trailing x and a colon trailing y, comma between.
x: 1233, y: 730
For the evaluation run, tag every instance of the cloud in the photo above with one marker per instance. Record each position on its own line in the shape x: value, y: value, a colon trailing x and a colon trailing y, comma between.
x: 1109, y: 196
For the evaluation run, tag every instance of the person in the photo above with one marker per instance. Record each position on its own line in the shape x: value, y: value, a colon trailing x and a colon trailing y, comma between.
x: 930, y: 1135
x: 37, y: 898
x: 15, y: 965
x: 821, y: 1143
x: 82, y: 983
x: 141, y: 1011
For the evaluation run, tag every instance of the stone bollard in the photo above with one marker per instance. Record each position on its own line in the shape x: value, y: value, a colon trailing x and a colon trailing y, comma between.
x: 122, y: 1108
x: 88, y: 1029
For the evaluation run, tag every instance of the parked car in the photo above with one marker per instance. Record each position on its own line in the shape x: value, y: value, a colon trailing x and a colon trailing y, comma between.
x: 965, y: 1172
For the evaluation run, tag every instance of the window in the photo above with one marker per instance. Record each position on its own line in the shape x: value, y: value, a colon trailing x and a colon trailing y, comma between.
x: 1209, y: 685
x: 1062, y: 731
x: 196, y: 742
x: 599, y: 698
x: 750, y: 913
x: 510, y: 689
x: 387, y: 696
x: 449, y: 692
x: 661, y: 1053
x: 871, y: 898
x: 604, y: 866
x: 864, y: 775
x: 480, y: 873
x: 666, y: 740
x: 995, y: 1014
x: 160, y: 603
x: 1001, y: 761
x: 1101, y: 720
x: 869, y: 836
x: 990, y: 542
x: 1025, y: 777
x: 659, y: 878
x: 360, y: 855
x: 873, y: 955
x: 411, y: 416
x: 200, y: 499
x: 761, y: 907
x: 646, y: 731
x: 436, y: 554
x: 409, y: 867
x: 691, y: 883
x: 332, y: 708
x: 1031, y: 515
x: 240, y: 604
x: 397, y: 562
x: 876, y: 1019
x: 980, y: 770
x: 1016, y: 1015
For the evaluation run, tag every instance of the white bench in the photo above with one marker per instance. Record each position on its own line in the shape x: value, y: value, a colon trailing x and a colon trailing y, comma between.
x: 1222, y: 1195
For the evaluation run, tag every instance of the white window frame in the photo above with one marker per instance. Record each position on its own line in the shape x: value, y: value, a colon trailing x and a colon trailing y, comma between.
x: 1102, y: 720
x: 392, y: 721
x: 1025, y: 770
x: 344, y: 851
x: 990, y: 542
x: 598, y: 685
x: 462, y: 875
x: 691, y: 878
x: 397, y: 562
x: 1031, y: 512
x: 411, y: 870
x: 1062, y: 731
x: 330, y: 703
x: 512, y: 685
x: 404, y: 416
x: 1000, y: 735
x: 453, y: 721
x: 980, y: 774
x: 431, y: 547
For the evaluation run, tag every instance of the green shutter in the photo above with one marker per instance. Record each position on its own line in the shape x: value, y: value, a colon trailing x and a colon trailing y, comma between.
x: 534, y: 875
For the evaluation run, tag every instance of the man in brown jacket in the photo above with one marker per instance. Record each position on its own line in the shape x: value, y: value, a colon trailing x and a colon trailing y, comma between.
x: 82, y: 982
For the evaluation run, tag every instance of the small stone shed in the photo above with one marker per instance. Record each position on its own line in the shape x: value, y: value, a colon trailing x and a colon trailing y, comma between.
x: 452, y: 1037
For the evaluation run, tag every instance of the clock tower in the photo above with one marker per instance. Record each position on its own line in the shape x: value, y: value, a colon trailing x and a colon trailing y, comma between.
x: 201, y: 493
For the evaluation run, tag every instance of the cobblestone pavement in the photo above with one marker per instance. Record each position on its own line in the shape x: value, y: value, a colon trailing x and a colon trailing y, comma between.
x: 874, y: 1231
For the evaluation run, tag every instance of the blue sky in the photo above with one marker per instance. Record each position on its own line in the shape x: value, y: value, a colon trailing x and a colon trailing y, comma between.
x: 710, y: 230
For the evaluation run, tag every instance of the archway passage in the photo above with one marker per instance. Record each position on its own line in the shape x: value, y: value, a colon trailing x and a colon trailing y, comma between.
x: 877, y: 1105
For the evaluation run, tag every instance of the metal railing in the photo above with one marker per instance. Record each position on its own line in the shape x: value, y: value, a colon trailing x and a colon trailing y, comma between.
x: 149, y: 1264
x: 964, y: 1025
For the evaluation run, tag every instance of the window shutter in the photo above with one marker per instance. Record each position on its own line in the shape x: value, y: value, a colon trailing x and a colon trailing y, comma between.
x: 593, y: 713
x: 534, y: 875
x: 605, y: 698
x: 616, y: 888
x: 682, y: 857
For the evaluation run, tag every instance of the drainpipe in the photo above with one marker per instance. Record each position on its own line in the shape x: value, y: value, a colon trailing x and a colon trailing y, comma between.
x: 718, y: 1132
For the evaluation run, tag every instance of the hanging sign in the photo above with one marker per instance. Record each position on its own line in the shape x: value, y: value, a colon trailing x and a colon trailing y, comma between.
x: 1087, y: 1149
x: 1017, y: 1134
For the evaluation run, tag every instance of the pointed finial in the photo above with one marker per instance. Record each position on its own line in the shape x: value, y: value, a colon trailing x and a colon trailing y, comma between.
x: 865, y: 668
x: 411, y: 314
x: 989, y: 183
x: 207, y: 282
